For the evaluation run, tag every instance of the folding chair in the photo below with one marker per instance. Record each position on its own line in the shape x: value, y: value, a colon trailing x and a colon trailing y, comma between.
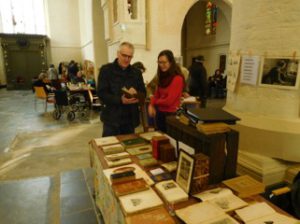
x: 94, y: 100
x: 41, y: 94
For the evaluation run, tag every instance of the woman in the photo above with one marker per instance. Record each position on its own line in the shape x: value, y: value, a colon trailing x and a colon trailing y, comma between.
x: 166, y: 99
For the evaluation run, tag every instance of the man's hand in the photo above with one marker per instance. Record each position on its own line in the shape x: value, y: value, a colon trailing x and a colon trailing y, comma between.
x: 126, y: 100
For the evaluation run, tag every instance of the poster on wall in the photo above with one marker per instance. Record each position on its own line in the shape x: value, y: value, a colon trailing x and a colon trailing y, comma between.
x: 279, y: 73
x: 250, y: 69
x: 233, y: 71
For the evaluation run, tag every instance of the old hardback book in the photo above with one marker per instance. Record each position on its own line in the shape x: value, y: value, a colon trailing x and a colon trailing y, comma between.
x: 245, y: 186
x: 122, y: 176
x: 117, y: 156
x: 129, y: 92
x: 171, y: 191
x: 200, y: 177
x: 112, y: 149
x: 155, y: 216
x: 139, y: 173
x: 161, y: 177
x: 156, y: 142
x: 130, y: 187
x: 148, y: 162
x: 171, y: 166
x: 106, y: 141
x: 134, y: 142
x: 149, y: 135
x: 262, y: 213
x: 144, y: 156
x: 223, y: 198
x: 212, y: 128
x: 139, y: 150
x: 132, y: 93
x: 140, y: 201
x: 166, y: 153
x: 118, y: 162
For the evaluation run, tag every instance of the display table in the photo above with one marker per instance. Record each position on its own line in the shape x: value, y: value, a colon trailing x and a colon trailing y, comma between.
x: 109, y: 204
x: 221, y: 148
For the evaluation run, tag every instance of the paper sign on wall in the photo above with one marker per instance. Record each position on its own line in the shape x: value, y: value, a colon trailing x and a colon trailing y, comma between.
x: 250, y: 69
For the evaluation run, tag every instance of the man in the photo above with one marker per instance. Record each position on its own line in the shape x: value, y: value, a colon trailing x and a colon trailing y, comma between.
x: 198, y: 80
x: 120, y: 115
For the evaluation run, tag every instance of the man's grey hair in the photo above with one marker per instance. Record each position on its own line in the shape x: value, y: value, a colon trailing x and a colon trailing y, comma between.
x: 127, y: 44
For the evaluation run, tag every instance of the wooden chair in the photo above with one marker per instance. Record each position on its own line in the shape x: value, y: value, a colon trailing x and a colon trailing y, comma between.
x: 41, y: 94
x: 94, y: 100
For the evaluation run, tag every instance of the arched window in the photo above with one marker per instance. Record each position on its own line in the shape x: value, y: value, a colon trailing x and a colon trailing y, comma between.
x: 22, y: 16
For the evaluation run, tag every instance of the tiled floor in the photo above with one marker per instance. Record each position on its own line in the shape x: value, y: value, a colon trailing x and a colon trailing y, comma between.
x: 44, y: 163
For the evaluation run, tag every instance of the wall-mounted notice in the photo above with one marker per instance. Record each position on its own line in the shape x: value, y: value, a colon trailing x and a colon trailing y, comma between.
x: 250, y: 69
x: 233, y: 71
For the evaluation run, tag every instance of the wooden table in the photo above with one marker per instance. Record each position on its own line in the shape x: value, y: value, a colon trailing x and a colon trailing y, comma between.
x: 108, y: 203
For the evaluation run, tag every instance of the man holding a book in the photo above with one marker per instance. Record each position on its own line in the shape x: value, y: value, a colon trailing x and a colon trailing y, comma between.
x: 120, y: 114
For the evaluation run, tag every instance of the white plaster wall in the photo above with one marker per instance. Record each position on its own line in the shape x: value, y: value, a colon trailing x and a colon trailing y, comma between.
x: 266, y: 28
x: 100, y: 47
x: 64, y: 30
x: 86, y: 29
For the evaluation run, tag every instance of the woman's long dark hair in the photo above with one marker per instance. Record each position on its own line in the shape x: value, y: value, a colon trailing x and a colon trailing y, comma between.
x: 165, y: 78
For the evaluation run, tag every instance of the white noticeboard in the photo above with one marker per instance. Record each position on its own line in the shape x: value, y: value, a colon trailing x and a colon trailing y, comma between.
x: 233, y: 71
x: 250, y: 69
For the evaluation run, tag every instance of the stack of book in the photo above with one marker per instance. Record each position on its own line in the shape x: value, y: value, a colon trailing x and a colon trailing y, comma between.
x: 112, y: 149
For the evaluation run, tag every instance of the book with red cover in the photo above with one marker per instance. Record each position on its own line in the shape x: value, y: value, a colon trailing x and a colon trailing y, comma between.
x: 156, y: 142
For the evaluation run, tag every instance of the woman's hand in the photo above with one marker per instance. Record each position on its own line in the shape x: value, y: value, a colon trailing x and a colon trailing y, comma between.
x: 151, y: 110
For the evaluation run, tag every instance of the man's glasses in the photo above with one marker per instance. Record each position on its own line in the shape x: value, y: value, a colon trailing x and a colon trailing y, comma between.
x: 126, y: 56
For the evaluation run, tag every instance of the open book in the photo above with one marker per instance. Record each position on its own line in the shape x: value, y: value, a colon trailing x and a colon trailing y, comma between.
x: 223, y: 198
x: 204, y: 213
x: 262, y: 213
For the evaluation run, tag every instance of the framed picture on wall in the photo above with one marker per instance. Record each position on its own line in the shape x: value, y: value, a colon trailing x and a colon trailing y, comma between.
x: 279, y: 73
x: 185, y: 170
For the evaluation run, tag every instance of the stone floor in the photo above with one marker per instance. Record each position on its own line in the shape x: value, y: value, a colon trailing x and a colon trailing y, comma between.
x: 44, y: 163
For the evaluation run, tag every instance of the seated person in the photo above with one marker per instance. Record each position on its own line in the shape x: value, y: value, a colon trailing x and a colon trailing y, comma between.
x: 216, y: 84
x: 79, y: 78
x: 40, y: 82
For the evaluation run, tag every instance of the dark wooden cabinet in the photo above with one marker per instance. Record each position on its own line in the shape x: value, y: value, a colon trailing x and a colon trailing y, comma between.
x: 222, y: 148
x: 24, y: 57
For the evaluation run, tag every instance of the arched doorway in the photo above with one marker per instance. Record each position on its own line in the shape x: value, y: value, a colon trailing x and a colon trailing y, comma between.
x: 195, y: 42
